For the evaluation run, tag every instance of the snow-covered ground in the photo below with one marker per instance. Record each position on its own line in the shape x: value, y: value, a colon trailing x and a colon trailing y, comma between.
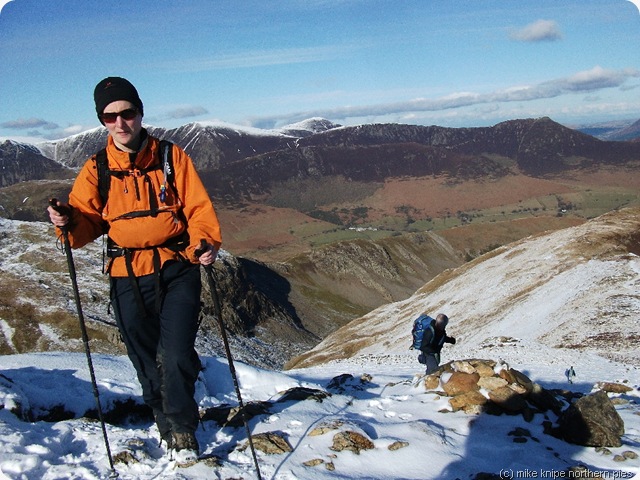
x: 387, y: 408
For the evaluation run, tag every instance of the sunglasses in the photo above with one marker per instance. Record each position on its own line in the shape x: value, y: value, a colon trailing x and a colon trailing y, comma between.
x: 111, y: 117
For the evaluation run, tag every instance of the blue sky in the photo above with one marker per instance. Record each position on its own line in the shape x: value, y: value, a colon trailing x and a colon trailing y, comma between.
x: 458, y: 63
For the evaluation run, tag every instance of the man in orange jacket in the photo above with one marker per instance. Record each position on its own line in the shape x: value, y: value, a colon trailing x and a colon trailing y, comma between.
x: 154, y: 227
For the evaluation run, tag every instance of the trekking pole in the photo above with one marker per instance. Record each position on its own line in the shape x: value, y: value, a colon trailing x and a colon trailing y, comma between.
x: 85, y: 337
x: 218, y: 311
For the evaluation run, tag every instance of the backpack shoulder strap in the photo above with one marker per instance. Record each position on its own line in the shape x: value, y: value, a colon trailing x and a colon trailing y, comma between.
x: 104, y: 175
x: 166, y: 159
x: 430, y: 327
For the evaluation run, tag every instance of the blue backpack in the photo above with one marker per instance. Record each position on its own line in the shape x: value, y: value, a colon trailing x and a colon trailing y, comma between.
x: 420, y: 325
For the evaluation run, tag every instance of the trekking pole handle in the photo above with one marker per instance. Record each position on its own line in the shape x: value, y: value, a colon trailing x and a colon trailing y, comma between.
x: 61, y: 209
x: 202, y: 248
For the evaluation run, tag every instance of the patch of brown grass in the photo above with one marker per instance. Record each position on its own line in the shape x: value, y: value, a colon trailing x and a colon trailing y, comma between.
x: 24, y: 320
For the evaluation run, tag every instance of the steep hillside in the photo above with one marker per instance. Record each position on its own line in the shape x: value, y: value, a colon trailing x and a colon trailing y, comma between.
x: 20, y: 162
x: 272, y: 311
x: 331, y: 286
x: 38, y: 312
x: 576, y: 288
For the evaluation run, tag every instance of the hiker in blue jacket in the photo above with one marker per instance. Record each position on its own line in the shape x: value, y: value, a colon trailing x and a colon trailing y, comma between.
x: 433, y: 340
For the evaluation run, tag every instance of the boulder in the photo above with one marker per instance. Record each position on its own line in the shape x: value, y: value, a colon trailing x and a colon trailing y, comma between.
x: 486, y: 369
x: 461, y: 382
x: 431, y: 382
x: 544, y: 400
x: 463, y: 366
x: 518, y: 378
x: 610, y: 387
x: 592, y: 421
x: 468, y: 402
x: 491, y: 383
x: 508, y: 399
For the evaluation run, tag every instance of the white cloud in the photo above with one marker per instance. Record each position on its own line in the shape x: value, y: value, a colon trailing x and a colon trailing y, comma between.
x: 538, y: 31
x: 589, y: 81
x: 186, y: 112
x: 27, y: 123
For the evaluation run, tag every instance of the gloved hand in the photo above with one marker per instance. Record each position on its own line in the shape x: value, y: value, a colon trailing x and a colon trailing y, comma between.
x: 453, y: 340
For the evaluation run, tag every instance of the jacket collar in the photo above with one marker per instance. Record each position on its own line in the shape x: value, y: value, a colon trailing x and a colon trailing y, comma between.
x: 143, y: 158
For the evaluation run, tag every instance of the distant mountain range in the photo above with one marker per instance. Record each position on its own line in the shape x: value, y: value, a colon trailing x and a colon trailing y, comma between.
x: 239, y: 163
x: 324, y: 223
x: 617, y: 131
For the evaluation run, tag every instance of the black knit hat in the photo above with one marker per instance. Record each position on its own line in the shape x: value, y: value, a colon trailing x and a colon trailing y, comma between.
x: 112, y: 89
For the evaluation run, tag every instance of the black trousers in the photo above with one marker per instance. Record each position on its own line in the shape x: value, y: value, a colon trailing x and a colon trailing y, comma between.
x: 161, y: 344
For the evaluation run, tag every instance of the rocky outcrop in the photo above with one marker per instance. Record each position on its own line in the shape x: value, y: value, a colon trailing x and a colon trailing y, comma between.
x: 476, y: 386
x: 592, y: 421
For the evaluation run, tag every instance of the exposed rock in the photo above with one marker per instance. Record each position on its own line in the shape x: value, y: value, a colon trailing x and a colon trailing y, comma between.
x: 482, y: 387
x: 517, y: 379
x: 492, y: 383
x: 350, y: 440
x: 468, y: 401
x: 485, y: 369
x: 397, y: 445
x: 460, y: 382
x: 544, y: 400
x: 508, y: 399
x: 463, y: 366
x: 303, y: 393
x: 126, y: 457
x: 613, y: 387
x: 592, y: 421
x: 431, y: 382
x: 520, y: 432
x: 226, y: 415
x: 20, y: 162
x: 346, y: 381
x: 271, y: 443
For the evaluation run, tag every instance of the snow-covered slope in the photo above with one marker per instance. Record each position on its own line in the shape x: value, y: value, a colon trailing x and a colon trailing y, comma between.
x: 575, y: 290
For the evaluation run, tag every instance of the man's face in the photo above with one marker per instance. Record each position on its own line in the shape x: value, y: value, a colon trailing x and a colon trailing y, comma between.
x: 124, y: 130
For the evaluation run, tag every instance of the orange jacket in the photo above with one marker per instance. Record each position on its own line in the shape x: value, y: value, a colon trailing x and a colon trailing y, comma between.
x: 130, y: 193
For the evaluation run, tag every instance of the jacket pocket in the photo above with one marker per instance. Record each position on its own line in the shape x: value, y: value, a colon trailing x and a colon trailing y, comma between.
x: 145, y: 231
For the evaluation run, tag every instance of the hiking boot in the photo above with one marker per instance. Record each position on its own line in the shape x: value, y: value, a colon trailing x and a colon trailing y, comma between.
x: 185, y: 448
